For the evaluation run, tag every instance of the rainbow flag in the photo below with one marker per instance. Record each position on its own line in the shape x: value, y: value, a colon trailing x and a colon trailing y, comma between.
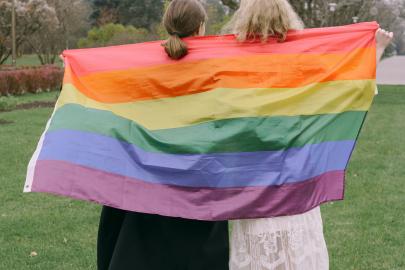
x: 233, y: 130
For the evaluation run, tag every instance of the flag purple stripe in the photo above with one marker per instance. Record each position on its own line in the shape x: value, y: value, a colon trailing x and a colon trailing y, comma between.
x: 67, y: 179
x: 219, y: 170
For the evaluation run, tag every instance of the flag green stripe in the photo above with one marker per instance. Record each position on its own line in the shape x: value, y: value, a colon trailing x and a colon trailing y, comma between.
x: 247, y: 134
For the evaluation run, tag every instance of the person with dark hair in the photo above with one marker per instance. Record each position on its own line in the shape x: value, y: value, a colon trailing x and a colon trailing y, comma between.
x: 183, y: 19
x: 129, y: 240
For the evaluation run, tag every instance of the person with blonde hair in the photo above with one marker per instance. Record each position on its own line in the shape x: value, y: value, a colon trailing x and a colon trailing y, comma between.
x: 263, y: 18
x: 290, y: 242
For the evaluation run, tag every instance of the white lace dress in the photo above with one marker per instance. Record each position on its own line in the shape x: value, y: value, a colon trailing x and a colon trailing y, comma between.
x: 281, y: 243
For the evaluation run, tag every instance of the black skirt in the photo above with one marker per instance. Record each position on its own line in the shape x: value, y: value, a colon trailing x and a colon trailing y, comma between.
x: 136, y: 241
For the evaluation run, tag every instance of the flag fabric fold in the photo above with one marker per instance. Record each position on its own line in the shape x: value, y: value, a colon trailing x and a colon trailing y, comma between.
x: 233, y: 130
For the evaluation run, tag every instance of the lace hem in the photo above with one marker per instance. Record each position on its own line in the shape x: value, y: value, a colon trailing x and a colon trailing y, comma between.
x: 282, y: 243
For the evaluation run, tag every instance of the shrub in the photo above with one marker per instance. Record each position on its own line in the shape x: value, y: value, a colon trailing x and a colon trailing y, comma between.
x: 114, y: 34
x: 30, y: 80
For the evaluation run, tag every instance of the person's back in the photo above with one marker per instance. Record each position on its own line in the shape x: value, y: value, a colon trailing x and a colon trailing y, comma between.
x: 289, y: 242
x: 131, y: 240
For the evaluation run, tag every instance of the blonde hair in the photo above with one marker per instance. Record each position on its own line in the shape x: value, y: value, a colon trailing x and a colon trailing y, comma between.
x: 263, y: 18
x: 183, y: 18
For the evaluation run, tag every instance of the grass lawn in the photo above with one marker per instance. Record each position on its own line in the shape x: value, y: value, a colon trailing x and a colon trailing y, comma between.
x: 30, y: 60
x: 366, y: 231
x: 7, y: 103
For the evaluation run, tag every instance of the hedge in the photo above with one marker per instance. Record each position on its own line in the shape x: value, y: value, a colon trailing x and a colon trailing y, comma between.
x: 30, y: 79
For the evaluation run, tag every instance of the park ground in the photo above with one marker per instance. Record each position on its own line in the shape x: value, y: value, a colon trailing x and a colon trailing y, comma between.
x: 30, y: 60
x: 365, y: 231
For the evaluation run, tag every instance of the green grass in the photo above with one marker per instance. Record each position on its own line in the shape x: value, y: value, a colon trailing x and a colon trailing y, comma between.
x: 62, y: 231
x: 366, y: 231
x: 44, y: 96
x: 29, y: 60
x: 8, y: 103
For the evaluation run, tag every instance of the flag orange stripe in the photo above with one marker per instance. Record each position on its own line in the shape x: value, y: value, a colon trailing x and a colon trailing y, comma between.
x: 260, y: 71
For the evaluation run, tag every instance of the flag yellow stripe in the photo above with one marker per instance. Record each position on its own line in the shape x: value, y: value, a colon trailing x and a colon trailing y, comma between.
x: 222, y: 103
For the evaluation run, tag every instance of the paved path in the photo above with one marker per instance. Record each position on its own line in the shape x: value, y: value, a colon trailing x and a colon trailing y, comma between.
x: 392, y: 71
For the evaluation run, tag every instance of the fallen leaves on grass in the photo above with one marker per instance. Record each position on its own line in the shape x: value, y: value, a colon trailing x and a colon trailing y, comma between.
x: 33, y: 254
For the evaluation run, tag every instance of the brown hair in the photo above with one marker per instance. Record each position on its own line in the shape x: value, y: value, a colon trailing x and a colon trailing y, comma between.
x: 183, y: 18
x: 264, y: 18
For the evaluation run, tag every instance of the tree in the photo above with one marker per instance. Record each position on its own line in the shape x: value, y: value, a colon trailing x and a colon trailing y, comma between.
x: 217, y: 16
x: 31, y: 16
x: 104, y: 12
x: 47, y: 43
x: 74, y: 19
x: 5, y: 31
x: 70, y: 23
x: 46, y: 27
x: 139, y: 13
x: 321, y: 13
